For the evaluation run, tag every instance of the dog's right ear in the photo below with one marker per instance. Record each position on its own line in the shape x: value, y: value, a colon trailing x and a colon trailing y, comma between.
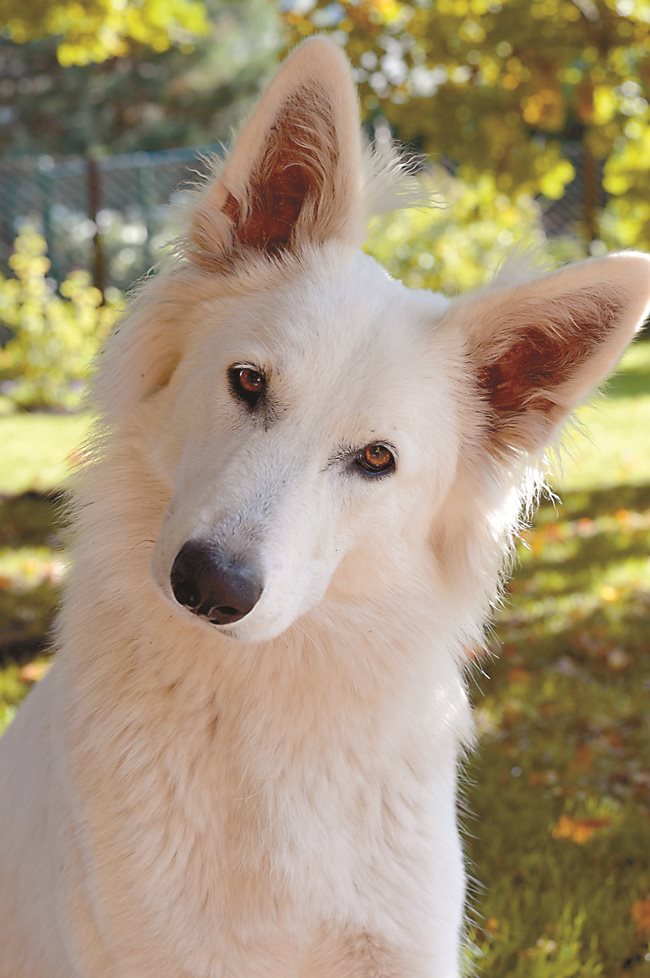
x: 294, y: 175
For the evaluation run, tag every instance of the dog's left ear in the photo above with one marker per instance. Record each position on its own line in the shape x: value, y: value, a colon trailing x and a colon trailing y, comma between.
x: 537, y: 350
x: 294, y: 174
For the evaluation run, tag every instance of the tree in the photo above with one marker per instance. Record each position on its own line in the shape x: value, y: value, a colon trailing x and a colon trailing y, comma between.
x: 500, y: 86
x: 143, y: 100
x: 100, y: 29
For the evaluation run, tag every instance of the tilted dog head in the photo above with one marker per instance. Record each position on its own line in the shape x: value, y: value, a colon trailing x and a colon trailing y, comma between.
x: 317, y: 426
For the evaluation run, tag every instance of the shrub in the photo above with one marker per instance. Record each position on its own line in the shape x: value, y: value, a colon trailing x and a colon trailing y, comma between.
x: 54, y: 333
x: 458, y: 244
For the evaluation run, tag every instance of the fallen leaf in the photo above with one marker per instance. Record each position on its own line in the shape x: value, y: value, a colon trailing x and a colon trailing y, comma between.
x: 578, y: 830
x: 641, y: 915
x: 518, y: 675
x: 585, y: 527
x: 584, y: 756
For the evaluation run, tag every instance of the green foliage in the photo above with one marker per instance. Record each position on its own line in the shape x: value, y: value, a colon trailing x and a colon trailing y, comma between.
x: 457, y: 244
x: 626, y: 221
x: 499, y: 86
x: 37, y: 452
x: 146, y: 99
x: 102, y: 29
x: 56, y: 334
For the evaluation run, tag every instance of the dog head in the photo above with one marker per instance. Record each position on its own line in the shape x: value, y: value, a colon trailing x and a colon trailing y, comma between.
x: 318, y: 427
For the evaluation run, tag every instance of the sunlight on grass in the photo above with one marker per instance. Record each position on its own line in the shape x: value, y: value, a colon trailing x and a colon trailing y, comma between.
x: 37, y: 450
x: 560, y: 772
x: 613, y: 446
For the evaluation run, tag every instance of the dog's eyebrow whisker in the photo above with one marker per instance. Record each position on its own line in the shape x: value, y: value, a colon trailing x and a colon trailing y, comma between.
x: 341, y: 455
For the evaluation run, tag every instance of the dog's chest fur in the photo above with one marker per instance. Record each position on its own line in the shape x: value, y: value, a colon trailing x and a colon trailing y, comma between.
x: 233, y: 798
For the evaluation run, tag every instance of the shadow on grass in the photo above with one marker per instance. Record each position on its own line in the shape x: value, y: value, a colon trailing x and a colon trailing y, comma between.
x: 32, y: 519
x: 29, y: 590
x: 562, y: 750
x: 627, y: 384
x: 584, y: 504
x: 596, y: 531
x: 576, y: 572
x: 26, y: 618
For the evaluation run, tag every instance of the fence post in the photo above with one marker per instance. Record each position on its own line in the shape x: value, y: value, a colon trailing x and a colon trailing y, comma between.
x: 8, y: 192
x: 146, y: 187
x: 591, y: 187
x: 94, y: 205
x: 45, y: 186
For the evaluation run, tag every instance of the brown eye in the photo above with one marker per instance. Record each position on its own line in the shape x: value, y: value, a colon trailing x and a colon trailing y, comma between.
x: 376, y: 459
x: 246, y: 383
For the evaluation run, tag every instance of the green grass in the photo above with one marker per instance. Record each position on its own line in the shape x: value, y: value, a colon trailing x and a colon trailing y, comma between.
x: 39, y: 452
x: 559, y: 833
x: 560, y: 791
x: 36, y: 449
x: 613, y: 447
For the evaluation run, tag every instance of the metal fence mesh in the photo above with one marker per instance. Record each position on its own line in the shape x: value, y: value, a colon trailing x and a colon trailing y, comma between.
x: 113, y: 216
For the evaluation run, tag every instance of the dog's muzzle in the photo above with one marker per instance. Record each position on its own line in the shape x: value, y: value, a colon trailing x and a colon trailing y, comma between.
x: 212, y: 586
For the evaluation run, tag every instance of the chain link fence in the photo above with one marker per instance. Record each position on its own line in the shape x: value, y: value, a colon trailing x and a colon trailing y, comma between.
x: 114, y: 216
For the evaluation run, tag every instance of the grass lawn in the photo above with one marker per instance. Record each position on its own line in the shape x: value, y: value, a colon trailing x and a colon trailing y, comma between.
x: 559, y: 832
x: 36, y: 450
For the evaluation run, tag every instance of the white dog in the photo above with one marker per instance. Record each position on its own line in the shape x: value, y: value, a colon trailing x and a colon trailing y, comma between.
x: 306, y: 481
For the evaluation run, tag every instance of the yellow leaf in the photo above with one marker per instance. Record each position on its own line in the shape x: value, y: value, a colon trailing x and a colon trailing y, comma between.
x: 578, y: 830
x: 605, y: 104
x: 545, y: 109
x: 641, y: 915
x: 609, y: 593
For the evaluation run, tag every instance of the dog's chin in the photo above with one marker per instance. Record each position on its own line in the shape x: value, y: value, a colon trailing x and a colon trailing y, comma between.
x: 253, y: 632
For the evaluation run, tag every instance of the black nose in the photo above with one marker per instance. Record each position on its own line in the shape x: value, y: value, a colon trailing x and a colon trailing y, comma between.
x: 210, y: 585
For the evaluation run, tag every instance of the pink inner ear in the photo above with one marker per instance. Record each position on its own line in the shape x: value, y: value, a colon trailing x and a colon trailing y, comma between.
x: 275, y: 207
x: 513, y: 382
x: 544, y: 356
x: 300, y: 153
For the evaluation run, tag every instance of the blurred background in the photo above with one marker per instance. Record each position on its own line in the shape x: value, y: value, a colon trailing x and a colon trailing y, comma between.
x: 532, y: 118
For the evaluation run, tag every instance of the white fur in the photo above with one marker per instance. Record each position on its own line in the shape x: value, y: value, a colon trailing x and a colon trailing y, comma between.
x: 277, y: 798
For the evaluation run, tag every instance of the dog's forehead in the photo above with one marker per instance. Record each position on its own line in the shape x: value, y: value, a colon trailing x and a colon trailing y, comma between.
x: 340, y: 310
x: 349, y: 351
